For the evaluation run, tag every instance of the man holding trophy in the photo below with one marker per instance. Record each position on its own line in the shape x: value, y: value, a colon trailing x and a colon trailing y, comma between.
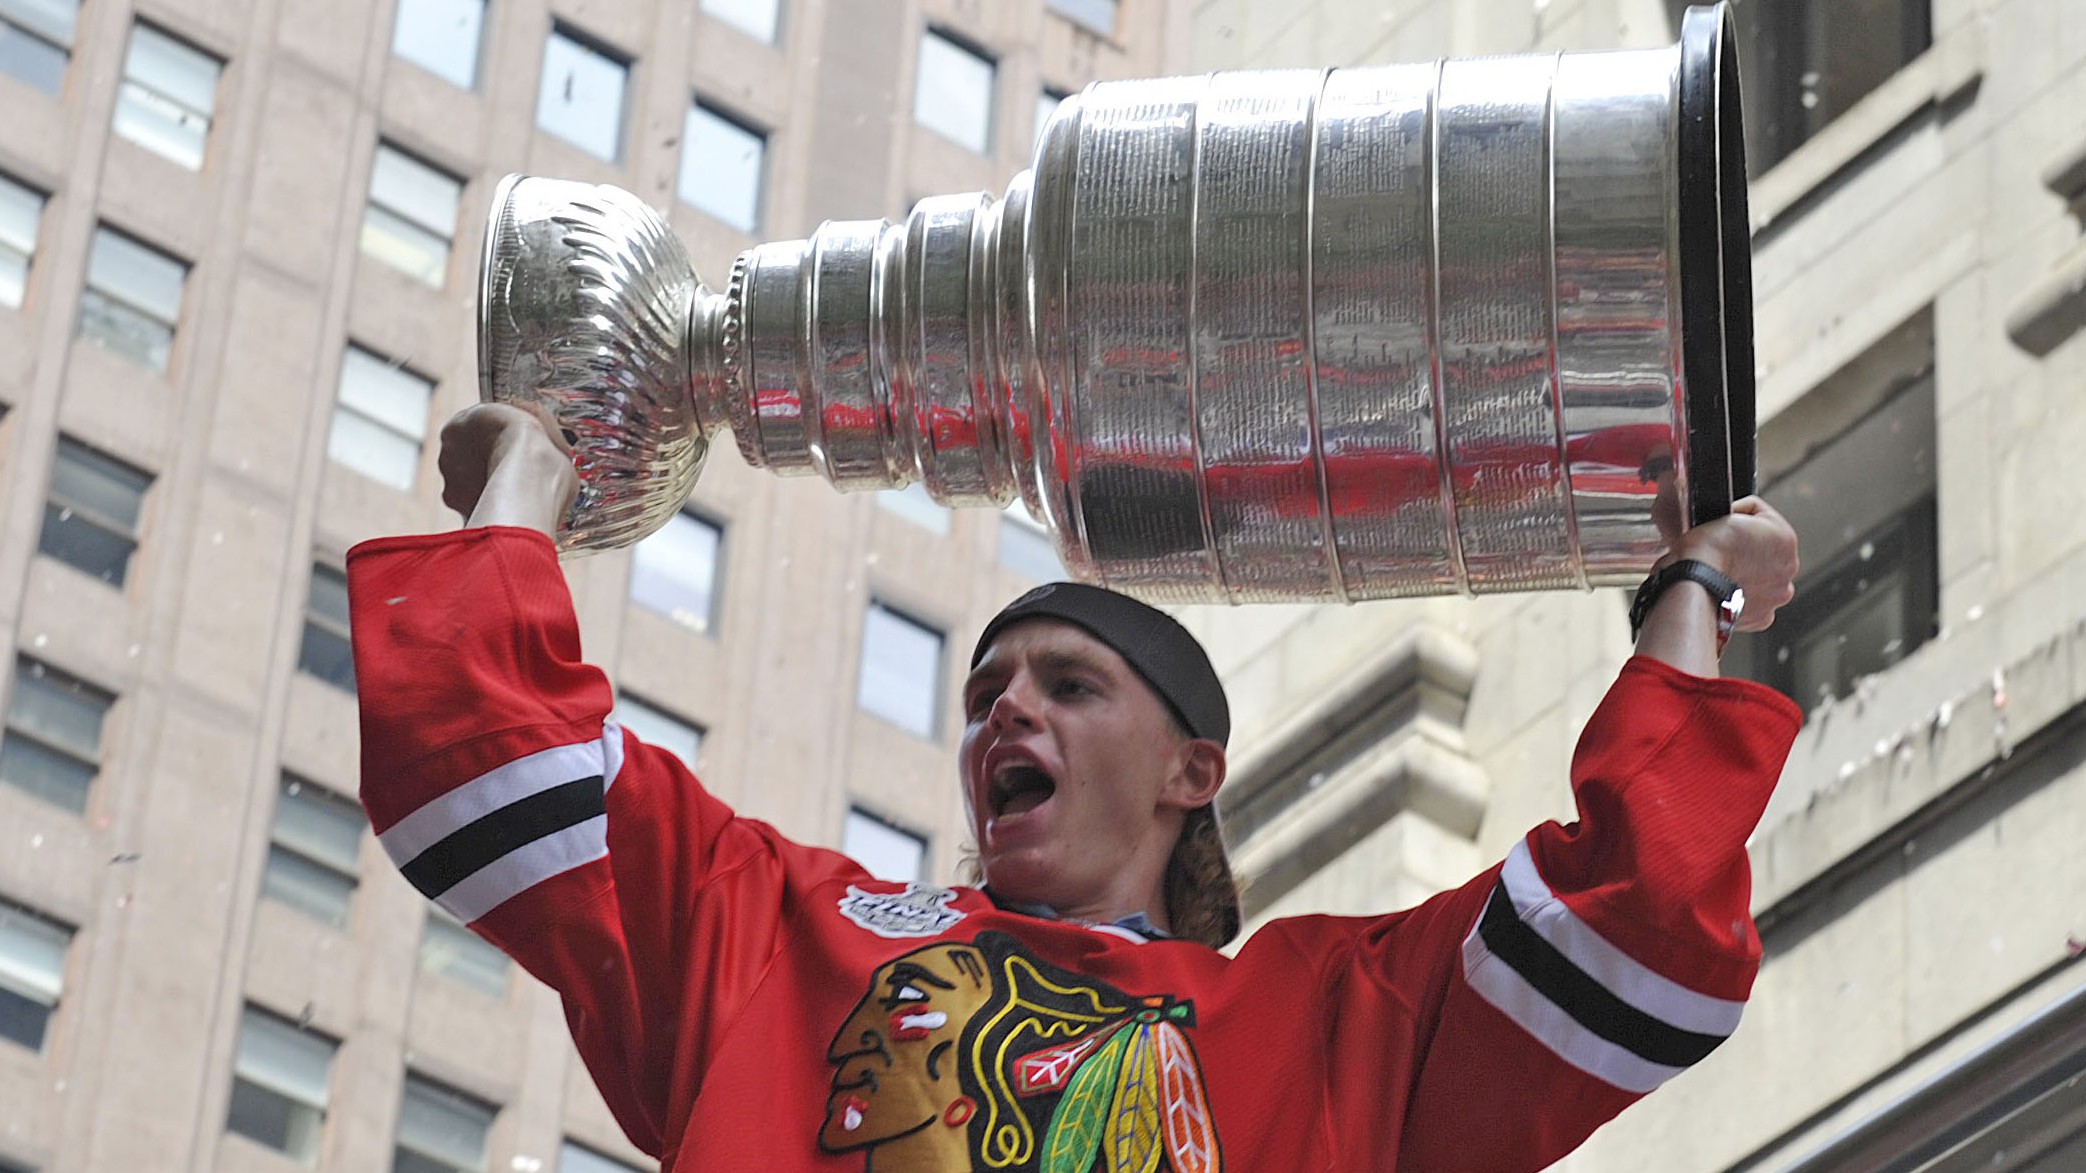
x: 747, y: 1002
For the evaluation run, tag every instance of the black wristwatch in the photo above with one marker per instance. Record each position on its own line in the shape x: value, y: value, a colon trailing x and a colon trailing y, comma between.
x: 1731, y: 601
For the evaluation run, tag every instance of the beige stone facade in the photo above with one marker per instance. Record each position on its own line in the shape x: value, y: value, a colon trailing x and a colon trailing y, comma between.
x: 191, y: 655
x: 1918, y: 877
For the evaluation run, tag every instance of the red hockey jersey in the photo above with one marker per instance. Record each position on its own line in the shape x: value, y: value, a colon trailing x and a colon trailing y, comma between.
x: 747, y: 1002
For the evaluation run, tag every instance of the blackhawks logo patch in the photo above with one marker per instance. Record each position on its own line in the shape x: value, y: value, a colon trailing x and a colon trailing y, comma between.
x: 920, y: 911
x: 983, y: 1056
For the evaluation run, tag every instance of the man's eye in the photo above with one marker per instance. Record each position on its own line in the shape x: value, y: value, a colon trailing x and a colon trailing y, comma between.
x: 1071, y: 688
x: 908, y: 994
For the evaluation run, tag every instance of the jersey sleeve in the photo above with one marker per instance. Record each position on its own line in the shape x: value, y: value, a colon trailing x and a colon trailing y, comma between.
x: 496, y: 783
x: 1606, y: 956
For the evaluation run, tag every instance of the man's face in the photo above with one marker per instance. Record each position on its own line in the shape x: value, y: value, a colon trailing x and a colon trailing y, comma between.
x: 895, y: 1059
x: 1075, y: 774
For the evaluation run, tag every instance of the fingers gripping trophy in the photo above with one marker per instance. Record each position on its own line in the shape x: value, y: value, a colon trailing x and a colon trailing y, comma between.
x: 1470, y: 326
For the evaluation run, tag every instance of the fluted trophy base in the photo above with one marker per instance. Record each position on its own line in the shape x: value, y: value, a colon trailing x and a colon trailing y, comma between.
x: 1468, y: 326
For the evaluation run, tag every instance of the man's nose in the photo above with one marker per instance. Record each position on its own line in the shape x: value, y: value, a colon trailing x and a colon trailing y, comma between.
x: 1015, y: 706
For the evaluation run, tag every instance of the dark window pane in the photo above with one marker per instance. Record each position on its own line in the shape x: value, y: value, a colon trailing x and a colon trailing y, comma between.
x: 78, y: 541
x: 273, y: 1119
x: 326, y: 654
x: 23, y: 1020
x: 325, y: 651
x: 57, y: 778
x: 1807, y: 62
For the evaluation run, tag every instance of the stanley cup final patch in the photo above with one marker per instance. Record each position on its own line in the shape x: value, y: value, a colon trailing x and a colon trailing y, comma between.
x: 919, y: 911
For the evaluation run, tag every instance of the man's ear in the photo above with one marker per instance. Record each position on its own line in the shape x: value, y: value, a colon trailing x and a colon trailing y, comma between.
x: 1200, y: 777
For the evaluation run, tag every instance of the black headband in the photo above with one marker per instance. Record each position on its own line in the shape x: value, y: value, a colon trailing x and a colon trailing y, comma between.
x: 1148, y: 639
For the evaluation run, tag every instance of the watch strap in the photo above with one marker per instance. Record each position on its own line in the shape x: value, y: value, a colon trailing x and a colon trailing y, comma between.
x: 1721, y: 587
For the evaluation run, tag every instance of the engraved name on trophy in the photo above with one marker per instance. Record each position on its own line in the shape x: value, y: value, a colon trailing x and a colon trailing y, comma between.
x: 1470, y: 326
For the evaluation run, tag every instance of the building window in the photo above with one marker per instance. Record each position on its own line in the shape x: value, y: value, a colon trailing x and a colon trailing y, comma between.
x: 32, y: 974
x: 916, y: 505
x: 90, y: 519
x: 721, y: 166
x: 885, y: 851
x: 1047, y: 103
x: 1096, y: 16
x: 380, y: 419
x: 573, y: 1158
x: 1863, y: 506
x: 448, y: 949
x: 901, y: 670
x: 674, y: 571
x: 52, y: 748
x: 442, y: 37
x: 279, y: 1083
x: 1807, y: 63
x: 759, y: 19
x: 656, y: 727
x: 410, y: 219
x: 169, y: 90
x: 953, y: 94
x: 582, y: 96
x: 314, y: 851
x: 1026, y: 548
x: 440, y: 1130
x: 326, y: 652
x: 21, y: 213
x: 132, y: 299
x: 36, y: 40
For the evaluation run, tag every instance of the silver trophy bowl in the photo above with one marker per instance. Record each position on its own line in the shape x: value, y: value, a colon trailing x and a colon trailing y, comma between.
x: 1469, y: 326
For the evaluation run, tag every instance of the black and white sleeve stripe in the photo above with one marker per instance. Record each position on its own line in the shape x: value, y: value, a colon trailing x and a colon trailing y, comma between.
x: 511, y: 828
x: 1595, y: 1006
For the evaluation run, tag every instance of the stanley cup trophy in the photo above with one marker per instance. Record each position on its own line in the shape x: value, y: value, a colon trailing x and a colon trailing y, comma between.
x: 1471, y: 326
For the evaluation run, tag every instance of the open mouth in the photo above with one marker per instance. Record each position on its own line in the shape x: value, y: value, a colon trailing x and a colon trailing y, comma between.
x: 1018, y: 788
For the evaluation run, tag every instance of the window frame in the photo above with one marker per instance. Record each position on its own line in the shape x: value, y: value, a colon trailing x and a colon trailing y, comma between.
x: 706, y: 621
x: 327, y: 625
x: 386, y: 204
x: 21, y: 21
x: 153, y: 95
x: 162, y: 359
x: 477, y: 61
x: 291, y: 787
x: 591, y: 46
x: 439, y: 919
x: 13, y: 911
x: 859, y: 815
x: 1081, y: 14
x: 113, y: 469
x: 242, y: 1074
x: 935, y: 721
x: 650, y: 713
x: 989, y: 140
x: 11, y: 730
x: 425, y: 385
x: 700, y: 106
x: 21, y: 248
x: 772, y: 35
x: 443, y: 1095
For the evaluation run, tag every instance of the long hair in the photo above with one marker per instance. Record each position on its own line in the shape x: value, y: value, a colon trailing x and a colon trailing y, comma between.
x: 1202, y: 893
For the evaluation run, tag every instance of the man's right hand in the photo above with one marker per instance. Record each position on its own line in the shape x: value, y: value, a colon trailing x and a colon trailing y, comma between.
x: 504, y: 465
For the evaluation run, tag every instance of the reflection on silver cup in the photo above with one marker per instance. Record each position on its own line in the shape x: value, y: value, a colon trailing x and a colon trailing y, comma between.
x: 1477, y: 325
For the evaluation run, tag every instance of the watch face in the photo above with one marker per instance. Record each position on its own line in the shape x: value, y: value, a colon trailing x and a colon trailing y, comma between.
x: 1736, y: 604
